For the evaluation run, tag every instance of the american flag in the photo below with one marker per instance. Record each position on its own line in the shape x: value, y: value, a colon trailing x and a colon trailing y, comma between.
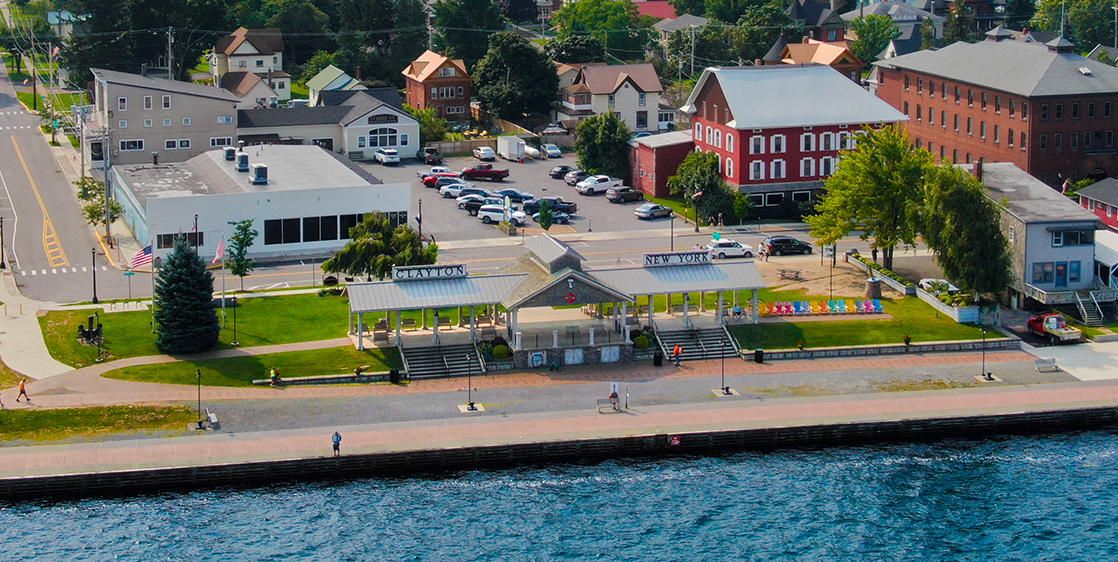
x: 141, y: 258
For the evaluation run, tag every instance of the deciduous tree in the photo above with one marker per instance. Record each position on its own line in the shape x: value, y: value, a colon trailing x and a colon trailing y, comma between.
x: 698, y: 182
x: 465, y: 27
x: 876, y: 189
x: 519, y: 11
x: 962, y: 226
x: 184, y: 310
x: 577, y: 49
x: 874, y: 34
x: 514, y: 78
x: 376, y: 246
x: 238, y: 262
x: 92, y: 195
x: 602, y: 145
x: 432, y: 128
x: 616, y: 23
x: 1088, y: 22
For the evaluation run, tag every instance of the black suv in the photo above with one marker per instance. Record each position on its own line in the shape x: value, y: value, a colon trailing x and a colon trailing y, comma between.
x: 624, y: 194
x: 777, y: 245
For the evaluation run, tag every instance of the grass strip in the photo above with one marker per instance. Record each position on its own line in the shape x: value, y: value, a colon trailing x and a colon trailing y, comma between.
x: 50, y: 425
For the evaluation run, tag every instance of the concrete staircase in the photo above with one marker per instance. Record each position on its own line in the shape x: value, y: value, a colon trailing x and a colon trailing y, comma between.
x: 698, y: 344
x: 1089, y: 310
x: 442, y: 361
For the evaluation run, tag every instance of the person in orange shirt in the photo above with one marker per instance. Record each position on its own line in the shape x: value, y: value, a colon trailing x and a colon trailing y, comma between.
x: 23, y: 390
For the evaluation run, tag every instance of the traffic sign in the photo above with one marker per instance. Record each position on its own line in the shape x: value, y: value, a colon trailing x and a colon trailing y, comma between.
x: 129, y: 273
x: 716, y: 236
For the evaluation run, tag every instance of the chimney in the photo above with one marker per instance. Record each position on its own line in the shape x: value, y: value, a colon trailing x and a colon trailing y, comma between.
x: 358, y: 74
x: 806, y: 39
x: 978, y: 170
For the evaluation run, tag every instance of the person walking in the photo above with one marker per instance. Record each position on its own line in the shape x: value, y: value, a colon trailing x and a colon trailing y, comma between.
x: 273, y: 376
x: 23, y: 390
x: 873, y: 252
x: 676, y: 353
x: 337, y: 440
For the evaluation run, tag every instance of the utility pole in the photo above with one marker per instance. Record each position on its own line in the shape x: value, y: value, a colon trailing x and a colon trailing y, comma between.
x: 50, y: 100
x: 693, y: 55
x: 107, y: 147
x: 170, y: 57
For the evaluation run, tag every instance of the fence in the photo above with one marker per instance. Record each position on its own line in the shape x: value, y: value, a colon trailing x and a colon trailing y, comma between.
x: 454, y: 148
x: 961, y: 314
x: 898, y: 286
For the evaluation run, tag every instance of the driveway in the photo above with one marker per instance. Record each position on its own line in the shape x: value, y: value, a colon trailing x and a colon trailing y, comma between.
x: 443, y: 220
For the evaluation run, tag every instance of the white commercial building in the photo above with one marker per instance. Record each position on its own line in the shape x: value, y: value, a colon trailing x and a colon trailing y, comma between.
x: 305, y: 206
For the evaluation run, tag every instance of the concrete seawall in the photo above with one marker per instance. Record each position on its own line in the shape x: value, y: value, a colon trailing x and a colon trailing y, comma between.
x: 419, y: 460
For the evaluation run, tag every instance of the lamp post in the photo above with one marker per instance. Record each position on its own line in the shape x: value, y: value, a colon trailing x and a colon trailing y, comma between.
x: 419, y: 220
x: 200, y: 421
x: 725, y: 389
x: 93, y: 259
x: 671, y: 237
x: 984, y: 375
x: 234, y: 343
x: 3, y: 264
x: 470, y: 391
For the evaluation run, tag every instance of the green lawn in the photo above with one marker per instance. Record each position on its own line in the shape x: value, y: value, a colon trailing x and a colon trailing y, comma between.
x: 46, y: 425
x: 299, y: 92
x: 240, y: 371
x: 27, y: 98
x: 63, y: 101
x: 910, y: 316
x: 681, y: 209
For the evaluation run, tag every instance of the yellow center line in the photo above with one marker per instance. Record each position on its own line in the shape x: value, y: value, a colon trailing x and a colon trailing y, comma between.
x: 51, y: 245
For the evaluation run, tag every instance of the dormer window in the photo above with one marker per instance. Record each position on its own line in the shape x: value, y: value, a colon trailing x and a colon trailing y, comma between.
x: 448, y: 72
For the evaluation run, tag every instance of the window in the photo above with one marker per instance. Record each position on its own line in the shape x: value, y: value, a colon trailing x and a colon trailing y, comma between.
x: 1043, y: 272
x: 943, y: 90
x: 122, y: 124
x: 757, y: 145
x: 461, y: 91
x: 954, y: 156
x: 361, y: 142
x: 610, y: 101
x: 346, y: 222
x: 1073, y: 272
x: 826, y: 141
x: 906, y: 82
x: 1058, y: 141
x: 1012, y: 234
x: 137, y: 144
x: 982, y: 129
x: 997, y: 104
x: 185, y: 121
x: 942, y: 152
x: 698, y: 132
x: 729, y: 165
x: 729, y: 142
x: 1012, y: 107
x: 919, y: 112
x: 906, y: 108
x: 221, y: 141
x: 984, y: 98
x: 147, y: 103
x: 970, y: 97
x: 1109, y: 209
x: 958, y: 92
x: 383, y: 137
x: 1022, y: 140
x: 777, y: 144
x: 807, y: 167
x: 1106, y: 109
x: 312, y: 229
x: 642, y: 122
x: 1075, y: 140
x: 170, y: 144
x: 710, y: 135
x: 147, y: 122
x: 1087, y: 139
x: 919, y: 85
x: 832, y: 35
x: 1075, y: 110
x: 1059, y: 111
x: 1009, y: 138
x: 1043, y: 112
x: 968, y: 158
x: 640, y: 99
x: 757, y: 200
x: 801, y: 196
x: 166, y: 102
x: 447, y: 72
x: 1044, y: 141
x: 434, y: 93
x: 757, y: 170
x: 917, y: 143
x: 1058, y: 238
x: 807, y: 142
x: 773, y: 199
x: 970, y: 125
x: 997, y: 134
x: 260, y: 63
x: 242, y: 64
x: 1091, y: 110
x: 184, y: 143
x: 1109, y: 139
x: 825, y: 166
x: 283, y: 231
x: 122, y: 104
x: 166, y: 122
x: 931, y: 88
x: 777, y: 169
x: 275, y: 60
x: 1024, y: 111
x: 956, y: 122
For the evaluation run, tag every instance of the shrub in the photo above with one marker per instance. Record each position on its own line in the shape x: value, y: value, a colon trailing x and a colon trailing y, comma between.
x: 486, y: 350
x: 640, y: 342
x: 500, y: 352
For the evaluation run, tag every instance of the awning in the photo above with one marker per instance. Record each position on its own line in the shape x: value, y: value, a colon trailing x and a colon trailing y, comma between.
x: 712, y: 277
x: 1106, y: 247
x: 436, y: 293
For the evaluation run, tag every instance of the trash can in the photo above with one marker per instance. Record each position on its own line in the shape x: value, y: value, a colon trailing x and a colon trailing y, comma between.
x: 394, y: 376
x: 758, y: 355
x: 658, y: 359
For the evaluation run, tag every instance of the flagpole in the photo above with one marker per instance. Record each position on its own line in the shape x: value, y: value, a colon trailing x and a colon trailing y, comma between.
x: 151, y: 242
x: 222, y: 279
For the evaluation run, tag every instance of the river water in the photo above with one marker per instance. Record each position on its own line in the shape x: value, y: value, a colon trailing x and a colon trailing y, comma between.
x: 1015, y: 498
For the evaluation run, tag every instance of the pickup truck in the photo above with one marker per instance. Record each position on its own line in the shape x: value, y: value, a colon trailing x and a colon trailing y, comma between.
x: 596, y: 184
x: 556, y: 204
x: 484, y: 172
x: 429, y: 155
x: 1054, y: 327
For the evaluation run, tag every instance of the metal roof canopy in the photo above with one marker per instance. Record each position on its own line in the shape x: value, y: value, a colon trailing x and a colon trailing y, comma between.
x: 1106, y: 248
x: 682, y: 278
x: 435, y: 293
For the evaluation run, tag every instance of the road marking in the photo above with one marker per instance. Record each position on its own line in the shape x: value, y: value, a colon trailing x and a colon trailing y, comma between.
x: 15, y: 221
x: 83, y: 269
x: 64, y: 270
x: 54, y: 271
x: 104, y: 268
x: 51, y: 245
x: 44, y: 272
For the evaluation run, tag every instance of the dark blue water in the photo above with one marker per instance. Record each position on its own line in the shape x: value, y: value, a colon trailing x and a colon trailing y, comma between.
x: 1020, y: 498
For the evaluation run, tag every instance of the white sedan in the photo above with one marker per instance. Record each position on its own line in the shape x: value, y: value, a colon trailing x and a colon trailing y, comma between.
x: 727, y: 248
x: 435, y: 170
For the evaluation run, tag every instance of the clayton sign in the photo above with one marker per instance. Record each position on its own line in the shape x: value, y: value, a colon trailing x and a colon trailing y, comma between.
x: 677, y: 258
x: 424, y: 272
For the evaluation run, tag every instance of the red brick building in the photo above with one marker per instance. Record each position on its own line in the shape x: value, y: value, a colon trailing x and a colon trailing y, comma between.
x: 654, y: 159
x: 778, y: 129
x: 434, y: 80
x: 1043, y: 107
x: 1101, y: 198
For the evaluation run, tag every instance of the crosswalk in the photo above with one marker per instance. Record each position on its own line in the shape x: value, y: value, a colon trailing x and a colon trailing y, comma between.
x: 13, y: 113
x: 14, y: 127
x: 57, y: 271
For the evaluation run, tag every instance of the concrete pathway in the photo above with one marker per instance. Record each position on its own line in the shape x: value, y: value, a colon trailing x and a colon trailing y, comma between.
x: 21, y: 339
x: 1085, y: 361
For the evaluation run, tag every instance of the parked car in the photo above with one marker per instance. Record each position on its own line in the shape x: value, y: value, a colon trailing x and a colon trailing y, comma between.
x: 553, y: 203
x: 652, y: 211
x: 496, y: 213
x: 464, y: 200
x: 484, y: 172
x: 575, y: 176
x: 439, y: 182
x: 559, y: 171
x: 596, y: 184
x: 485, y: 153
x: 454, y: 190
x: 640, y: 135
x: 624, y: 194
x: 475, y: 203
x: 1055, y: 327
x: 777, y: 245
x: 514, y: 195
x: 727, y: 248
x: 387, y: 156
x: 557, y: 217
x: 552, y: 151
x: 429, y: 155
x: 473, y: 190
x: 937, y: 286
x: 434, y: 171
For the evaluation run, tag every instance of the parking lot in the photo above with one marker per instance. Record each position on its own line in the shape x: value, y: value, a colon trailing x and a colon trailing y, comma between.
x: 443, y: 220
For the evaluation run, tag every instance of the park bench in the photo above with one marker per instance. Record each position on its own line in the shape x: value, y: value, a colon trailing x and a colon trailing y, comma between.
x: 408, y: 324
x: 608, y: 405
x: 444, y: 321
x: 1046, y: 365
x: 212, y: 418
x: 789, y: 273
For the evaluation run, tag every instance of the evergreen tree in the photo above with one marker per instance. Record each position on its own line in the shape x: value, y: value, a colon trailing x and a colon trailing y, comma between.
x: 546, y: 216
x: 184, y: 303
x: 874, y: 34
x: 238, y: 262
x: 514, y: 78
x: 602, y: 145
x: 927, y: 34
x: 376, y: 246
x: 959, y: 24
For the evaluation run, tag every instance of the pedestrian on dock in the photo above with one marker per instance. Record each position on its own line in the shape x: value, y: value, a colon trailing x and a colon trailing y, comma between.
x: 337, y: 439
x: 23, y: 390
x: 676, y: 353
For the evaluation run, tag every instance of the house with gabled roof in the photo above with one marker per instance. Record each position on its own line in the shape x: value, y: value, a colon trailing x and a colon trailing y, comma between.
x: 439, y: 82
x: 683, y: 23
x: 247, y: 50
x: 1101, y: 198
x: 820, y: 20
x: 255, y: 89
x: 330, y: 79
x: 834, y: 54
x: 630, y: 90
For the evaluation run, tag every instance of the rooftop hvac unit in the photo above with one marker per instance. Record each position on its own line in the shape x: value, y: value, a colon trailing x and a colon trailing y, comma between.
x: 242, y: 162
x: 259, y: 174
x: 230, y: 153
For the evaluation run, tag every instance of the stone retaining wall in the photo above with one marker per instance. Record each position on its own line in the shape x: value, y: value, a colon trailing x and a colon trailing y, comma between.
x: 999, y: 344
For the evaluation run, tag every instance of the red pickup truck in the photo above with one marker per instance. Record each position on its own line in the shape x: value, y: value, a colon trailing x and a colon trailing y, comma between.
x: 484, y: 172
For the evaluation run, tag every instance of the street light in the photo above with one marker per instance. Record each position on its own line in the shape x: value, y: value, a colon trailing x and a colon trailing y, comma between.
x: 201, y: 423
x: 234, y: 343
x: 3, y: 265
x: 985, y: 375
x: 419, y: 220
x: 470, y: 389
x: 671, y: 220
x: 725, y: 389
x: 93, y: 259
